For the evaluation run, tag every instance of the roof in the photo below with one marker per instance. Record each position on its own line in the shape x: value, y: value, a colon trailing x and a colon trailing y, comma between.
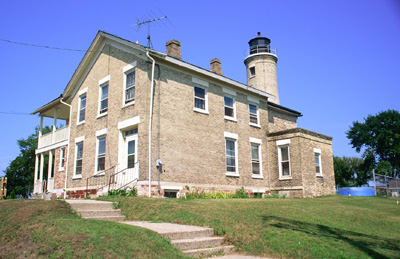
x: 93, y: 50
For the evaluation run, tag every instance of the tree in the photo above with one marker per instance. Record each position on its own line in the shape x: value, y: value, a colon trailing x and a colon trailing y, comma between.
x: 379, y: 137
x: 350, y: 171
x: 21, y: 170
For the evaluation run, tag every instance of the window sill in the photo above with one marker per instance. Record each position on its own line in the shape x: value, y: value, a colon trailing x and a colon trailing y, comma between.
x: 128, y: 104
x: 100, y: 173
x: 230, y: 119
x: 254, y: 176
x: 101, y: 115
x: 255, y: 125
x: 77, y: 177
x: 232, y: 174
x: 61, y: 169
x: 319, y: 175
x: 80, y: 123
x: 285, y: 178
x: 200, y: 111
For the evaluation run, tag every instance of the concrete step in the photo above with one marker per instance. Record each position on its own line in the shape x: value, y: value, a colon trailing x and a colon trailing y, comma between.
x: 98, y: 213
x: 107, y: 218
x: 206, y: 232
x: 90, y: 205
x: 186, y: 244
x: 204, y: 252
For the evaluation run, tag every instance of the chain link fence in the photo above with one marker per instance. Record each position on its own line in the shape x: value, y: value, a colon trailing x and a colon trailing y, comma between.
x: 386, y: 186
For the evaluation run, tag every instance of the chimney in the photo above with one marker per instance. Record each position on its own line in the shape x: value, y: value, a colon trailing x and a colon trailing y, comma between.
x: 216, y: 66
x: 174, y: 49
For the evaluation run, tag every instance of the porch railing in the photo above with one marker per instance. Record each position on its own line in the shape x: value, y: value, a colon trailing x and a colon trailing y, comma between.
x: 53, y: 137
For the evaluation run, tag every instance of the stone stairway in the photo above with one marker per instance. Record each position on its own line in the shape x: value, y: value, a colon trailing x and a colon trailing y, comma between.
x: 99, y: 210
x: 192, y: 240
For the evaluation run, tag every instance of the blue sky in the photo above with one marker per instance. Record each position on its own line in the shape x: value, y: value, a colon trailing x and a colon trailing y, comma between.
x: 338, y: 61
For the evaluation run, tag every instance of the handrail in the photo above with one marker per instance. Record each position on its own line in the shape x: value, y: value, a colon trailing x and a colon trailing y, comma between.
x: 99, y: 180
x: 125, y: 181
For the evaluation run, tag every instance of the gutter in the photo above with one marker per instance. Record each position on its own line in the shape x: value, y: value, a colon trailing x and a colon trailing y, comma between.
x: 69, y: 147
x: 151, y: 114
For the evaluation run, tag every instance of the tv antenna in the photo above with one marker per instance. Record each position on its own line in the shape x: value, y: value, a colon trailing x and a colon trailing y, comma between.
x: 148, y: 22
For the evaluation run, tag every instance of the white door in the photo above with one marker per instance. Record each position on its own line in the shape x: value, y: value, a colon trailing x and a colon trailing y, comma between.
x: 131, y: 156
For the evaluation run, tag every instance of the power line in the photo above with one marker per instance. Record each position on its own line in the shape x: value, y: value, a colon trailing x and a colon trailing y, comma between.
x: 40, y: 46
x: 14, y: 113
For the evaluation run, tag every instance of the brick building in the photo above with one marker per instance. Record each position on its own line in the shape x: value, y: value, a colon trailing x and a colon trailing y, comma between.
x: 138, y: 117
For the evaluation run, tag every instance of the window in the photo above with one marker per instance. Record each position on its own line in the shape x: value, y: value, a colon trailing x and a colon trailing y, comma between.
x: 229, y: 106
x: 131, y: 154
x: 230, y: 146
x: 79, y: 156
x: 252, y: 71
x: 255, y: 159
x: 284, y: 158
x: 253, y: 111
x: 103, y: 98
x: 62, y: 158
x: 317, y: 156
x: 231, y: 151
x: 101, y: 153
x: 200, y: 99
x: 82, y: 108
x: 130, y: 86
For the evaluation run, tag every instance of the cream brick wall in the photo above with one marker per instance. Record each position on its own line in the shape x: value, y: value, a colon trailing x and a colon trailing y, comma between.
x: 192, y: 144
x: 302, y: 163
x: 111, y: 66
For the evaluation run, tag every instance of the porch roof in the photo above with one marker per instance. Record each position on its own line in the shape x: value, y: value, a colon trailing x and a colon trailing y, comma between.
x: 47, y: 110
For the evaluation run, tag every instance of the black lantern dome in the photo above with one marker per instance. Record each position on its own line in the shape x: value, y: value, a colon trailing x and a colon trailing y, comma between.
x: 259, y: 44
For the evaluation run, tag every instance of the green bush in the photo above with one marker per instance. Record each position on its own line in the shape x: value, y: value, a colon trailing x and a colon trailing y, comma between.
x: 241, y: 193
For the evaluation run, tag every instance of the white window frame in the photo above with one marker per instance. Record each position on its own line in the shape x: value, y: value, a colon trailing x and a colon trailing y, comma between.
x: 205, y: 110
x: 318, y: 151
x: 81, y: 93
x: 127, y: 70
x: 257, y: 114
x: 77, y: 142
x: 281, y: 144
x: 234, y: 137
x: 100, y: 134
x: 232, y: 118
x: 103, y: 82
x: 259, y: 143
x: 62, y: 159
x: 98, y: 155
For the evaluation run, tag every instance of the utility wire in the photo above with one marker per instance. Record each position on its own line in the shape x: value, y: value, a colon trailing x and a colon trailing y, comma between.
x: 40, y: 46
x: 14, y: 113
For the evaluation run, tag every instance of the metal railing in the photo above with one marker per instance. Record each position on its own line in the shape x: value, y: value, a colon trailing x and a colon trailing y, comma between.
x: 123, y: 178
x: 259, y: 49
x: 99, y: 180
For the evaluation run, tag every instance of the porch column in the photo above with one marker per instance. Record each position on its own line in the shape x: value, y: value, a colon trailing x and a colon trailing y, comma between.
x: 36, y: 173
x: 54, y: 125
x: 40, y: 130
x: 49, y: 176
x: 41, y: 173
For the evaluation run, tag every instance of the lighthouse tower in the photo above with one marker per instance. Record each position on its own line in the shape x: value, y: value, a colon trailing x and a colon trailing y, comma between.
x: 261, y: 67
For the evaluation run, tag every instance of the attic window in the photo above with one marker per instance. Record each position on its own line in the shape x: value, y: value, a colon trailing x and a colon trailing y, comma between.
x: 252, y: 71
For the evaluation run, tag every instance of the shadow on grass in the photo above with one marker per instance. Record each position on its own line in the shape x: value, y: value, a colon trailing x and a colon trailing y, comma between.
x: 363, y: 242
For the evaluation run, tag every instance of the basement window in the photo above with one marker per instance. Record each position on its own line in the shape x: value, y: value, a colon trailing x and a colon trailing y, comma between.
x: 170, y: 193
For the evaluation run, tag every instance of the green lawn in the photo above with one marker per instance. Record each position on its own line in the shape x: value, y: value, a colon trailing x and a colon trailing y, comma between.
x: 49, y: 229
x: 326, y: 227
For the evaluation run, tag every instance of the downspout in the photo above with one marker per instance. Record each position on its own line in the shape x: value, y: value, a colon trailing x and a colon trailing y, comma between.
x: 69, y: 147
x: 158, y: 127
x: 151, y: 115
